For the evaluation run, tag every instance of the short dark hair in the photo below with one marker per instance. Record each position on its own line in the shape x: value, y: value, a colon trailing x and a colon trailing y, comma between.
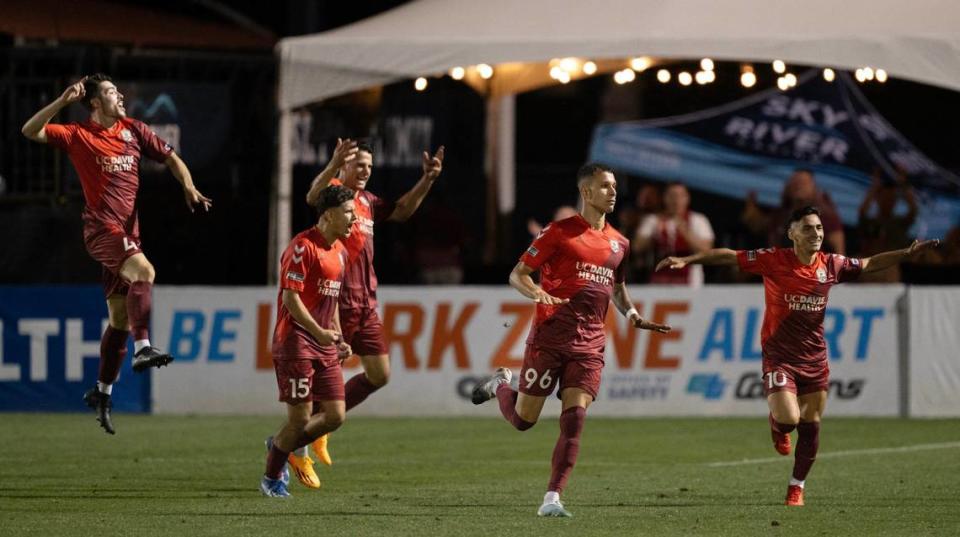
x: 804, y: 169
x: 590, y: 169
x: 803, y: 211
x: 91, y: 88
x: 365, y: 147
x: 333, y: 196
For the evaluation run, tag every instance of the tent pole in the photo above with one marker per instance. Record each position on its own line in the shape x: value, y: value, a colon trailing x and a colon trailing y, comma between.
x: 279, y: 232
x: 499, y: 167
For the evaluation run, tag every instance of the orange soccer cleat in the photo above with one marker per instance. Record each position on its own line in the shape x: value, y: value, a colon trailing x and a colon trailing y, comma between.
x: 781, y: 442
x: 303, y: 468
x: 320, y: 449
x: 794, y: 496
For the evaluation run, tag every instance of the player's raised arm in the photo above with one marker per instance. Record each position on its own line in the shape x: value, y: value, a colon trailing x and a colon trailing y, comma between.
x: 345, y: 151
x: 714, y: 256
x: 884, y: 260
x: 521, y: 281
x: 409, y: 202
x: 190, y: 193
x: 34, y: 127
x: 621, y: 299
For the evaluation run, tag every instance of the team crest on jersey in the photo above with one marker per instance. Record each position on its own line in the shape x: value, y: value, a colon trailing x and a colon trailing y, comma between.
x: 126, y: 135
x: 615, y: 246
x: 533, y: 251
x: 821, y: 275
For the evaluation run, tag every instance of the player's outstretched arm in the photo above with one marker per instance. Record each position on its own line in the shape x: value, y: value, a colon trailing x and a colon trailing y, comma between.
x: 291, y: 300
x: 34, y: 127
x: 714, y: 256
x: 621, y: 299
x: 190, y: 193
x: 521, y: 281
x: 884, y: 260
x: 410, y: 202
x: 345, y: 151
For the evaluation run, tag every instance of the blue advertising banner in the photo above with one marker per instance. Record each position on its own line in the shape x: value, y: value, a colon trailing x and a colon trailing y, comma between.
x: 755, y: 143
x: 50, y: 347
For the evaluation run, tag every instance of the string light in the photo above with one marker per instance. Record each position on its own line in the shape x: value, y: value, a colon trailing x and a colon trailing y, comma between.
x: 420, y: 84
x: 589, y: 68
x: 640, y: 64
x: 881, y: 76
x: 782, y: 83
x: 685, y: 78
x: 485, y: 71
x: 457, y: 73
x: 791, y: 79
x: 779, y: 66
x: 663, y: 76
x: 748, y: 78
x: 706, y: 64
x: 829, y: 75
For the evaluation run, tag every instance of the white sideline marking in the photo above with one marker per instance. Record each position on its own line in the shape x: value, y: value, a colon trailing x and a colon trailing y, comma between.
x: 849, y: 453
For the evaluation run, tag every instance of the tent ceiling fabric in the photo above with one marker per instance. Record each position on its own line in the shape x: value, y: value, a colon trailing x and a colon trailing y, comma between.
x: 917, y: 40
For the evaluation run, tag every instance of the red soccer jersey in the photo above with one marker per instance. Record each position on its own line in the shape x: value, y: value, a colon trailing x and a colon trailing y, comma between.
x: 360, y: 280
x: 108, y: 163
x: 580, y: 263
x: 314, y: 269
x: 796, y: 300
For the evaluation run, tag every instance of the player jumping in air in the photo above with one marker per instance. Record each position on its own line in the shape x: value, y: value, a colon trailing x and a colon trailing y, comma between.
x: 796, y: 284
x: 105, y: 151
x: 307, y: 345
x: 362, y: 327
x: 582, y: 262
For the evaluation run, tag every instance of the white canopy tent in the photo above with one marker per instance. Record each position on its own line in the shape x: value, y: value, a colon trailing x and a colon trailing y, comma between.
x: 917, y: 40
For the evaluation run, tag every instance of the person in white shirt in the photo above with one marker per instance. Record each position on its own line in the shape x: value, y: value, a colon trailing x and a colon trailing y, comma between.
x: 675, y: 231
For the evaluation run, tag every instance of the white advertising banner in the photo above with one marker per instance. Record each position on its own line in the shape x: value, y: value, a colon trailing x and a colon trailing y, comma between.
x: 442, y: 339
x: 934, y: 351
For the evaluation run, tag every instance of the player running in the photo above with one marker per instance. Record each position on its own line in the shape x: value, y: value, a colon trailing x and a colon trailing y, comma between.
x: 307, y: 345
x: 361, y: 324
x: 582, y: 262
x: 796, y: 284
x: 105, y: 151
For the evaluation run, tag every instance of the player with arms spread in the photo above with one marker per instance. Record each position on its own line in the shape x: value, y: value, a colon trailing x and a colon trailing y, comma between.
x: 307, y: 345
x: 106, y: 151
x: 796, y: 284
x: 362, y: 327
x: 582, y: 262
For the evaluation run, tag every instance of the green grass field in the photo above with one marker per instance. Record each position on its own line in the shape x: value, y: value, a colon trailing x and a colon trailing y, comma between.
x: 61, y: 476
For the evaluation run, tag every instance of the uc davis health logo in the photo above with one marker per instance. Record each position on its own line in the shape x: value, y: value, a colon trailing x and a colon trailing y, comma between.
x: 711, y: 385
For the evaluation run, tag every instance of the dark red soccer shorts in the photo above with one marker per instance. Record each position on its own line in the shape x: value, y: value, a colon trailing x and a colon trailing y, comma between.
x: 543, y: 369
x: 308, y: 379
x: 363, y: 331
x: 110, y: 246
x: 801, y: 380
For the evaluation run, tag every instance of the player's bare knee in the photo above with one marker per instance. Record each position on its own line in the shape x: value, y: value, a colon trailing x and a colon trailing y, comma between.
x: 379, y: 378
x: 145, y: 273
x: 334, y: 420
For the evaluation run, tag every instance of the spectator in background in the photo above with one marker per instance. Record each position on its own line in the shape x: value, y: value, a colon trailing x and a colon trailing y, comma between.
x: 675, y: 231
x: 880, y: 227
x: 562, y: 212
x: 798, y: 192
x: 648, y: 203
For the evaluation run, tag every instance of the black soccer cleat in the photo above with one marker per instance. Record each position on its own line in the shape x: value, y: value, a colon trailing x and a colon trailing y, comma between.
x: 150, y: 357
x: 102, y: 403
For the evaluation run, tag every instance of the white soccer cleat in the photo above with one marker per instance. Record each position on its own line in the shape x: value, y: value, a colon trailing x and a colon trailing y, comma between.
x: 487, y: 389
x: 554, y: 509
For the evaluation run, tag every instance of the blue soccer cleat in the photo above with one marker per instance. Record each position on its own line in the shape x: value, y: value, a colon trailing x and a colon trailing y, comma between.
x: 273, y: 488
x: 285, y: 476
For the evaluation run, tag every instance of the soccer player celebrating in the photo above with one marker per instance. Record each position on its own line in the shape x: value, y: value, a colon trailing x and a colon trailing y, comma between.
x: 361, y: 324
x: 796, y: 284
x: 582, y: 262
x: 307, y: 345
x: 106, y: 151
